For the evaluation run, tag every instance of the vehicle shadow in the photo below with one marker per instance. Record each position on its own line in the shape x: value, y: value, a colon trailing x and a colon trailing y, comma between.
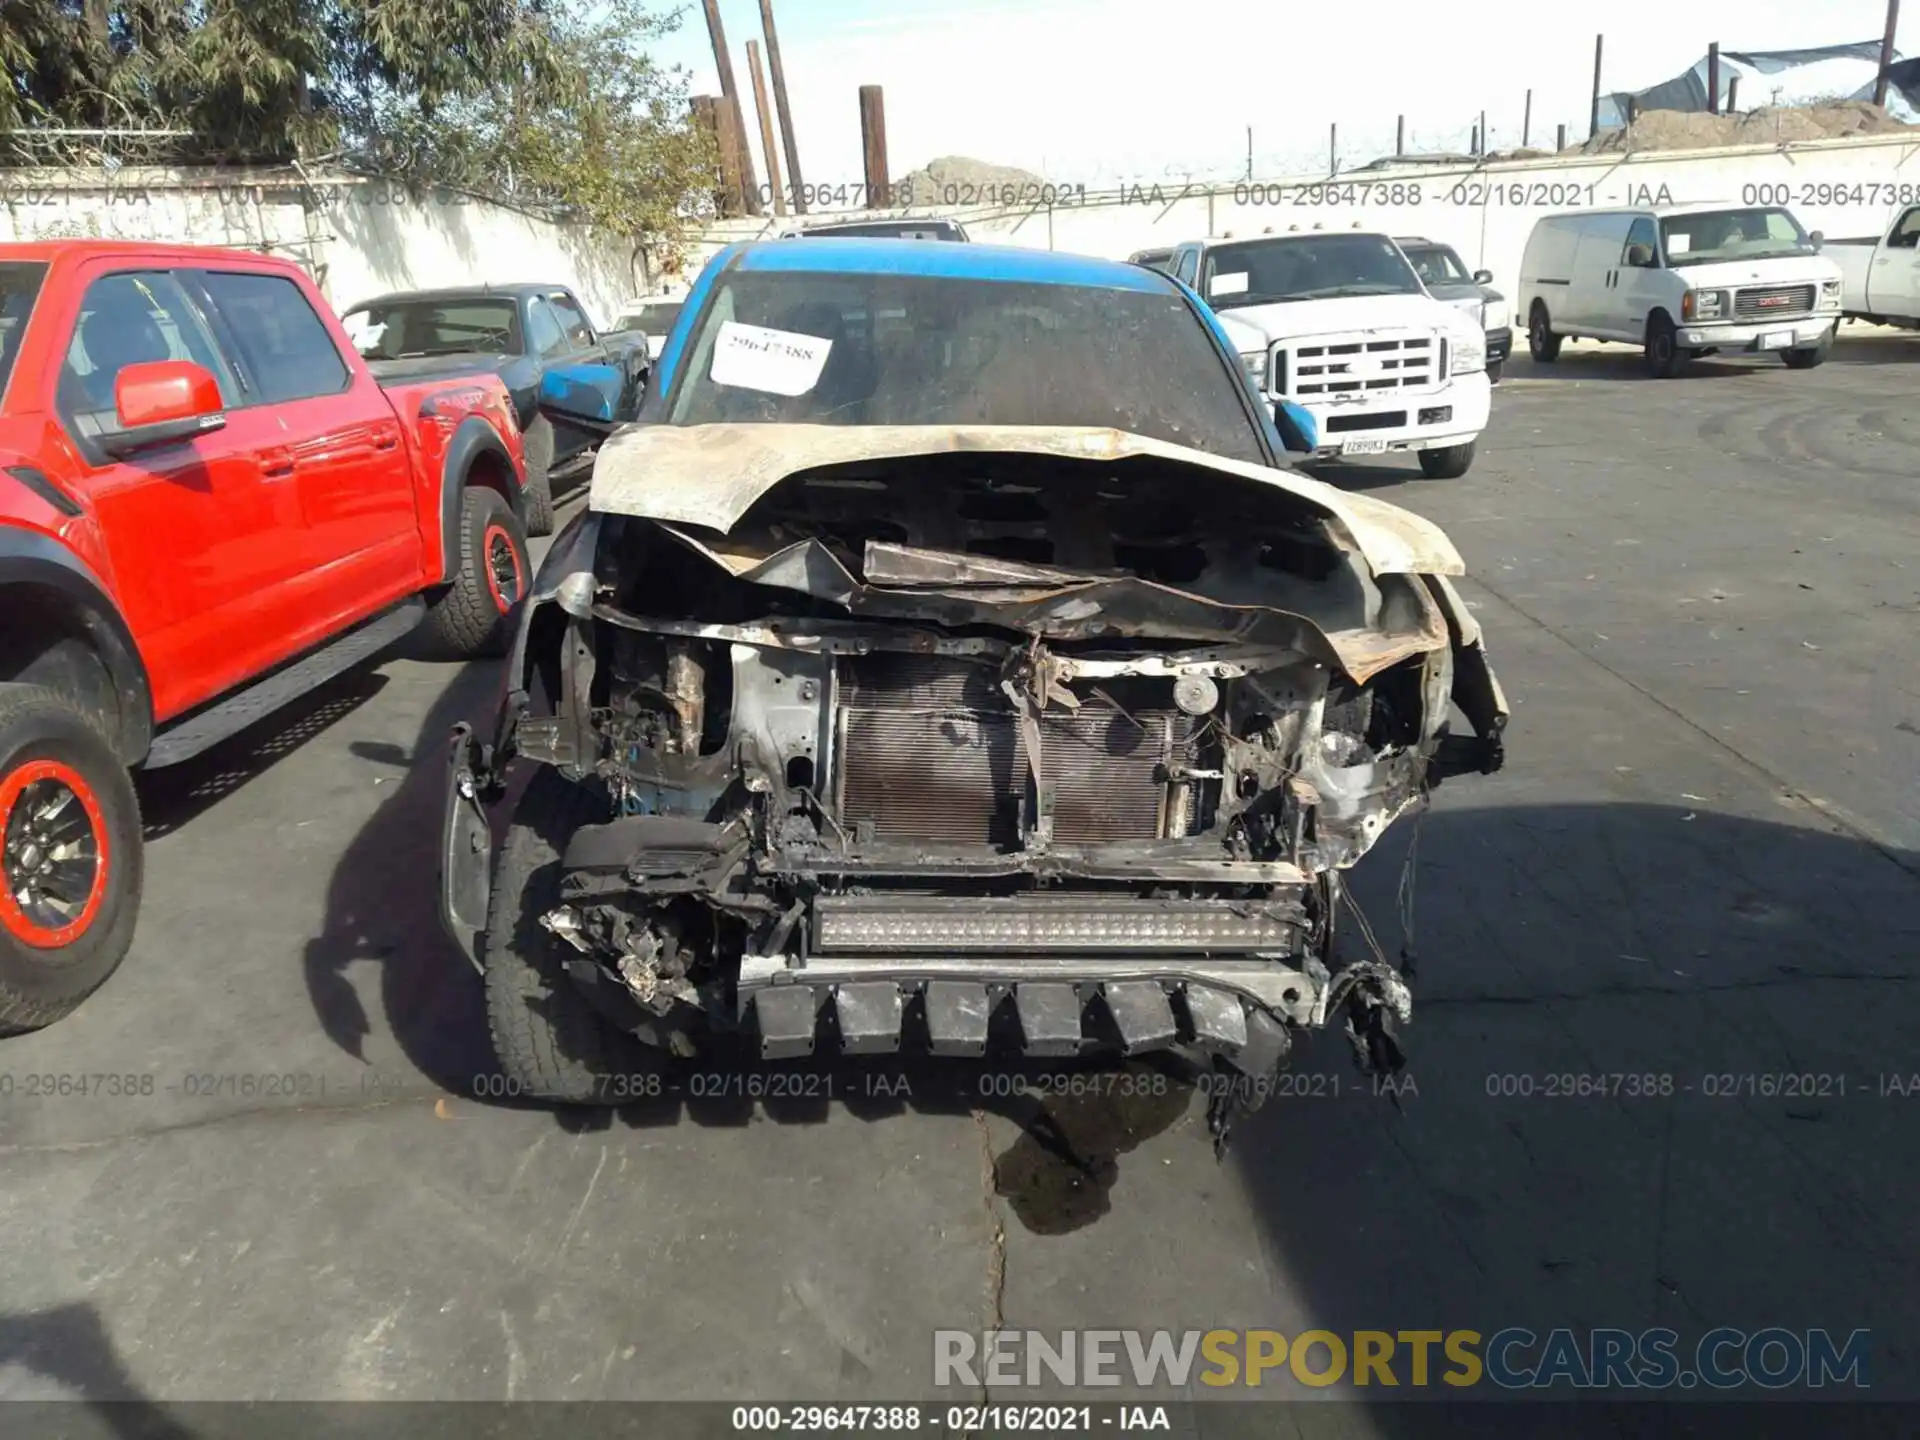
x: 173, y: 797
x: 1660, y: 1074
x: 1579, y: 362
x: 68, y: 1345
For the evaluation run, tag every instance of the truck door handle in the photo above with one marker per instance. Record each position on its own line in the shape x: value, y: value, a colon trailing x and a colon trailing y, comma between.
x: 386, y: 440
x: 276, y: 464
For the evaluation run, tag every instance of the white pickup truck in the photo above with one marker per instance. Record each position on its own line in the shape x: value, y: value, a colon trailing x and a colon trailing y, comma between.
x: 1337, y: 322
x: 1880, y: 274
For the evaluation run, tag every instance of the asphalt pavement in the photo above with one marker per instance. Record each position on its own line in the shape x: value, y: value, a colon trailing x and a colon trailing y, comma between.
x: 1701, y: 863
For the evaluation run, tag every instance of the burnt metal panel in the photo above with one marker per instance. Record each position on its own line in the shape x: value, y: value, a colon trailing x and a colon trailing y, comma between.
x: 788, y: 1016
x: 1050, y: 1018
x: 869, y: 1016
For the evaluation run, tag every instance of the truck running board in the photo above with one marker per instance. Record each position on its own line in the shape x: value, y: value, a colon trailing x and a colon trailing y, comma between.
x: 206, y: 728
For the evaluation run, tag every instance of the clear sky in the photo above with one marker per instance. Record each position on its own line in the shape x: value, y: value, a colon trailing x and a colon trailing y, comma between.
x: 1087, y: 91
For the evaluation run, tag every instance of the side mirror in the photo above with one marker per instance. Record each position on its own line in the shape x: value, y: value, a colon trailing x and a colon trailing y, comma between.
x: 1819, y: 238
x: 1483, y: 277
x: 1640, y: 256
x: 162, y: 401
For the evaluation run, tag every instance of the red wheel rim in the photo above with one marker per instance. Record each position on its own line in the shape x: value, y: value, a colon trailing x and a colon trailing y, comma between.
x: 54, y: 854
x: 501, y: 562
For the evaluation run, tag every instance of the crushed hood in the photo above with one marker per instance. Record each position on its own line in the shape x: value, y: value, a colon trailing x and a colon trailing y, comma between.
x: 711, y: 475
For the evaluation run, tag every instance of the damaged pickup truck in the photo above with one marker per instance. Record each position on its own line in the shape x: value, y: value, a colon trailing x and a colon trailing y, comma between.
x: 947, y: 661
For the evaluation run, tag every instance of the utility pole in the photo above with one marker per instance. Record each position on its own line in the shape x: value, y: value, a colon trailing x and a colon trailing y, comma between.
x: 1560, y: 137
x: 1713, y: 78
x: 1400, y: 136
x: 1333, y: 151
x: 1249, y: 152
x: 786, y: 115
x: 1526, y: 123
x: 1599, y: 44
x: 1886, y: 53
x: 732, y: 112
x: 873, y: 146
x: 764, y: 113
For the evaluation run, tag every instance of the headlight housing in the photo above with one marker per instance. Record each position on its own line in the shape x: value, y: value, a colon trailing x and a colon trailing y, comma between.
x: 1466, y: 354
x: 1255, y: 363
x: 1703, y: 305
x: 1829, y: 294
x: 1495, y: 315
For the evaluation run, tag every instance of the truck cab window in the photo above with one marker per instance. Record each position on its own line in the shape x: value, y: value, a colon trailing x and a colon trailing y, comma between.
x: 1642, y: 233
x: 287, y: 350
x: 1906, y: 234
x: 132, y: 319
x: 579, y: 332
x: 544, y: 335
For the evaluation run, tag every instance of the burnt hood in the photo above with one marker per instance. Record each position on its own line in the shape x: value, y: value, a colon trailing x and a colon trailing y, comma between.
x: 709, y: 476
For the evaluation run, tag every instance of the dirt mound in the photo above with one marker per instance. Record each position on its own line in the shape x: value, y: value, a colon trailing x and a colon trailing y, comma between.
x: 1697, y: 130
x: 956, y: 180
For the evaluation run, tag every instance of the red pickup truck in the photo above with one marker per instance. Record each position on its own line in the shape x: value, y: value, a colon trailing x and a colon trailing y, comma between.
x: 208, y: 506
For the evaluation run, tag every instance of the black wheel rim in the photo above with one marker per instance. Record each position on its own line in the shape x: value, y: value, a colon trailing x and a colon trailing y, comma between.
x: 52, y: 858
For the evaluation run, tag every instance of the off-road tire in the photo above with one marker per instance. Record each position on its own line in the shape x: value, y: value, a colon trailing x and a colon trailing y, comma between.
x: 1809, y: 356
x: 1665, y: 357
x: 1542, y: 343
x: 1447, y: 462
x: 47, y: 749
x: 550, y: 1041
x: 469, y: 618
x: 538, y: 490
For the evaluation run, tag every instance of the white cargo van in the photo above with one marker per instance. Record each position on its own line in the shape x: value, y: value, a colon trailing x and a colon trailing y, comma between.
x: 1681, y: 281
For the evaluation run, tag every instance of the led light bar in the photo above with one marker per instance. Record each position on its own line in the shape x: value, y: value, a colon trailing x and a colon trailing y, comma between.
x: 908, y: 925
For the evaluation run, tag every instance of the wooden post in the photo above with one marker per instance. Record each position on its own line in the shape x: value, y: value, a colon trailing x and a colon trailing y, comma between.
x: 1733, y: 96
x: 1560, y: 137
x: 1599, y: 43
x: 786, y: 115
x: 727, y: 130
x: 1633, y: 110
x: 1400, y: 136
x: 1886, y: 53
x: 1713, y: 78
x: 706, y: 117
x: 765, y: 114
x: 1480, y: 135
x: 873, y: 146
x: 1249, y: 152
x: 1333, y: 151
x: 732, y: 113
x: 1526, y: 123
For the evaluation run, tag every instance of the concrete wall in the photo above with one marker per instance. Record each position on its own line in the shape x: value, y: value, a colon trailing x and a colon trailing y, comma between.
x: 1842, y: 187
x: 358, y: 237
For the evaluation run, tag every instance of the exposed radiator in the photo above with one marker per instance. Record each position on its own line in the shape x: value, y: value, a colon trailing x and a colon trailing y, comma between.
x: 929, y: 749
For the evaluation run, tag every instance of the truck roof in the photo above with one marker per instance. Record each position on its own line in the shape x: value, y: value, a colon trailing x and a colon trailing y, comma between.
x: 1659, y: 212
x: 518, y: 290
x: 862, y: 255
x: 1292, y: 232
x: 47, y: 251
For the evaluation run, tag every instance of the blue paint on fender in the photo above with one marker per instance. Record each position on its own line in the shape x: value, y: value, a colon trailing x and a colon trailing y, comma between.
x: 587, y: 390
x: 1299, y: 431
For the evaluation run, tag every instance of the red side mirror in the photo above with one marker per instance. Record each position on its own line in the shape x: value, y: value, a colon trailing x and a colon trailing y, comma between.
x: 163, y: 392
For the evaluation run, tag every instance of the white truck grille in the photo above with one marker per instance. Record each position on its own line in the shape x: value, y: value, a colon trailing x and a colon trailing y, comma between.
x: 1374, y: 362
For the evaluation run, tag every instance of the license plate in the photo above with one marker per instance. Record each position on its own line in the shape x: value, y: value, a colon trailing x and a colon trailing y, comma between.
x: 1777, y: 340
x: 1364, y: 447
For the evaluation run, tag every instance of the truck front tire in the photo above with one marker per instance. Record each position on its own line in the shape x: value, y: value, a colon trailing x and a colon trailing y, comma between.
x: 1809, y: 356
x: 1448, y: 462
x: 71, y: 865
x: 469, y: 617
x: 538, y: 491
x: 1665, y: 357
x: 550, y: 1041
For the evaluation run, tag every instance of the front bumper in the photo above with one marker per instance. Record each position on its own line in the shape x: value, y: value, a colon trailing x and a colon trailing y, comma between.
x: 1499, y: 344
x: 1806, y: 332
x: 1458, y: 414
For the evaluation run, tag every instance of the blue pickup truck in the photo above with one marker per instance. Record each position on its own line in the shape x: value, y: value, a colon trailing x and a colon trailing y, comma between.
x: 570, y: 384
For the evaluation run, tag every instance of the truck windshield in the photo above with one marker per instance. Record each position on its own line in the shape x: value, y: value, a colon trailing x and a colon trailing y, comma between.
x: 402, y: 329
x: 788, y: 347
x: 1305, y: 267
x: 1732, y: 235
x: 19, y: 287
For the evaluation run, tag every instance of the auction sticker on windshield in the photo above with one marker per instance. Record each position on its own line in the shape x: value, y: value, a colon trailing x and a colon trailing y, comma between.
x: 777, y: 362
x: 1228, y: 284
